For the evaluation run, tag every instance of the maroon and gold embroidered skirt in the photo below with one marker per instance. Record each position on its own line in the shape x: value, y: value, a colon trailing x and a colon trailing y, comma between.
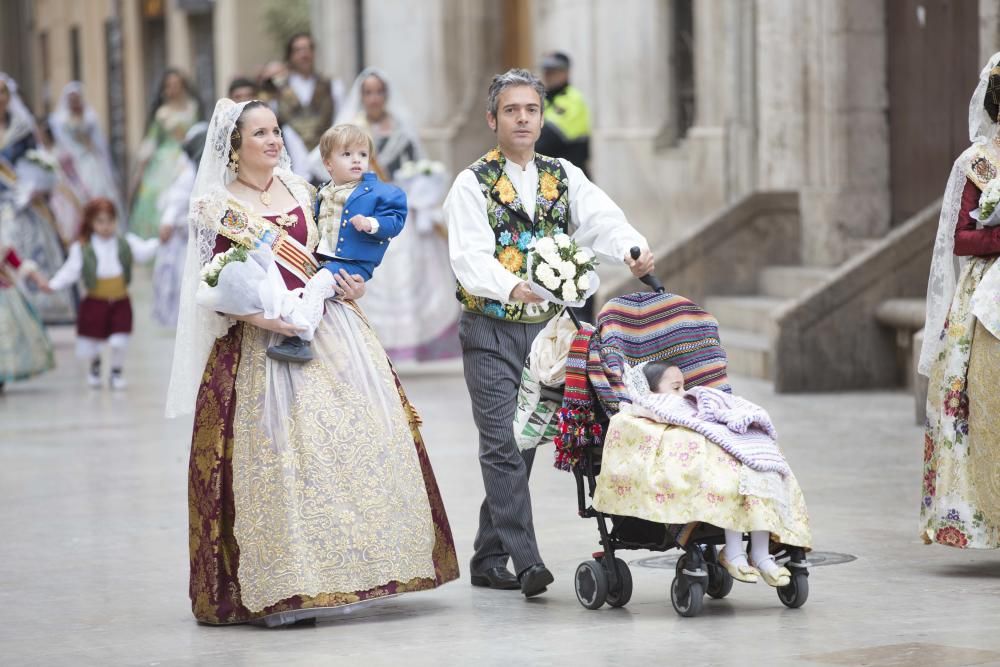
x: 215, y: 588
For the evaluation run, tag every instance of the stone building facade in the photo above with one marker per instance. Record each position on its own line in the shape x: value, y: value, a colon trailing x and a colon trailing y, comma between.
x: 827, y: 126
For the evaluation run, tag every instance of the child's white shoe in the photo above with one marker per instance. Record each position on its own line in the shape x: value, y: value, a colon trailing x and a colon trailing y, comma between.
x: 738, y: 568
x: 118, y: 380
x: 94, y: 374
x: 773, y: 574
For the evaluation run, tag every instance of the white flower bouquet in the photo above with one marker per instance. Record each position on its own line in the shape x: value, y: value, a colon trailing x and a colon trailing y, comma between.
x: 43, y: 159
x: 243, y: 282
x: 562, y: 272
x: 37, y: 173
x: 419, y: 168
x: 987, y: 213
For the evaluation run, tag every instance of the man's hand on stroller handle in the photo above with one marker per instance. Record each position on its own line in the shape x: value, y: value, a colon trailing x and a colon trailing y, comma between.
x: 640, y: 262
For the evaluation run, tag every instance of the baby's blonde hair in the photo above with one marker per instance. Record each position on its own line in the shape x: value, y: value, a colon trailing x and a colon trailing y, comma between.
x: 344, y: 135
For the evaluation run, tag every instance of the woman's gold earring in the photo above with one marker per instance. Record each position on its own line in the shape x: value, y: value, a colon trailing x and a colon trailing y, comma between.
x: 234, y: 160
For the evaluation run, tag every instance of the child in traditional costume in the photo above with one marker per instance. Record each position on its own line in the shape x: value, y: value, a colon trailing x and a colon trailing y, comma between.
x: 357, y: 215
x: 103, y: 260
x: 744, y: 432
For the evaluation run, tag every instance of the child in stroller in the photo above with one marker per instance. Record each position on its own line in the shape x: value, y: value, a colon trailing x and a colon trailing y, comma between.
x: 663, y: 486
x: 662, y: 378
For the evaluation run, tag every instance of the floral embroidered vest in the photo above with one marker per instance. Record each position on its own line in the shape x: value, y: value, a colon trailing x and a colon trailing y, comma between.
x: 514, y: 230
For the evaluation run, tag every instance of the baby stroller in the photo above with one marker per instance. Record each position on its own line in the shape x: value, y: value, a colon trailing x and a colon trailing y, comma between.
x: 693, y: 346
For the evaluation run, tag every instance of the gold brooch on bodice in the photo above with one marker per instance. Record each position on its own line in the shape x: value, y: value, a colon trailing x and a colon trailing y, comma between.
x: 285, y: 220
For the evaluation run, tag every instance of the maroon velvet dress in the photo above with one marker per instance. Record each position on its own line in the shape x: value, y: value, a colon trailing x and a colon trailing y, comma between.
x: 215, y: 589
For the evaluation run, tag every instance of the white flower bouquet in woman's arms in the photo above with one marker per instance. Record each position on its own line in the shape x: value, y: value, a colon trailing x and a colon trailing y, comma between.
x: 425, y: 183
x: 243, y: 282
x: 562, y: 272
x: 987, y: 213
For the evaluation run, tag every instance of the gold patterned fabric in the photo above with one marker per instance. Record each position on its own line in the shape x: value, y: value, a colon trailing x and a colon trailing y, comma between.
x: 327, y: 485
x: 673, y: 475
x: 984, y: 424
x: 961, y: 474
x: 331, y: 209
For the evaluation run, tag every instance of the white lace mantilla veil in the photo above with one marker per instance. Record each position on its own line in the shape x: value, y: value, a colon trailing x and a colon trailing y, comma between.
x: 62, y: 116
x: 197, y: 327
x: 353, y: 111
x: 943, y: 275
x: 22, y: 122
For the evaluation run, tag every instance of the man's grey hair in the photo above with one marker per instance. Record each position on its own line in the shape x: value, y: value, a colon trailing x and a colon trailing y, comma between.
x: 512, y: 77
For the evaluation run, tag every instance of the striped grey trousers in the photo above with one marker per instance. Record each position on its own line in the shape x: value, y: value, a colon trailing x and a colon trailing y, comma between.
x: 493, y: 352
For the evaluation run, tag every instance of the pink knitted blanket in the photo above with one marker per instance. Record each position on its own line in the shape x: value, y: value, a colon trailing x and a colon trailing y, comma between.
x: 740, y: 427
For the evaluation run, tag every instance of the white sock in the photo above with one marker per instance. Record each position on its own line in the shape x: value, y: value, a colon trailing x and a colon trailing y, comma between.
x: 118, y: 346
x: 320, y: 287
x: 734, y: 548
x: 760, y: 551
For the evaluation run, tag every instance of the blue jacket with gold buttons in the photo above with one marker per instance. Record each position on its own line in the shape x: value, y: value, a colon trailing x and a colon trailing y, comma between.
x: 360, y: 252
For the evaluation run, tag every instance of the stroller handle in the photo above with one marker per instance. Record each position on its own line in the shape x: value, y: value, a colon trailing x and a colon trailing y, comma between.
x: 649, y: 279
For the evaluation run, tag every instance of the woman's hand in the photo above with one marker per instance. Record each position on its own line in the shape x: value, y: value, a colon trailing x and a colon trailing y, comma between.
x: 276, y: 325
x: 349, y: 287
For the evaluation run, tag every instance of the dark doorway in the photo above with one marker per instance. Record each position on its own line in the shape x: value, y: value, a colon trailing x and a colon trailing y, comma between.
x: 933, y: 65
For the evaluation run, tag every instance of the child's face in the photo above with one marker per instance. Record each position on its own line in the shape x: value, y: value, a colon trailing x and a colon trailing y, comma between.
x: 671, y: 382
x: 105, y: 225
x: 347, y: 163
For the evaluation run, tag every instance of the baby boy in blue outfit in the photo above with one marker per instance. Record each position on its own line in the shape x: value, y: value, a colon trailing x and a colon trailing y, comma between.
x: 357, y: 215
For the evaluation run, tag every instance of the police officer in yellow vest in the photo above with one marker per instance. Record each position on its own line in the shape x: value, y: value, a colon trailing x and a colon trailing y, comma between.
x: 566, y: 133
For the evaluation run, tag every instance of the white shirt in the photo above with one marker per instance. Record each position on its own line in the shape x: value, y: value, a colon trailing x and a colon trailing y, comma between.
x: 598, y: 224
x: 302, y: 86
x: 305, y: 86
x: 106, y: 251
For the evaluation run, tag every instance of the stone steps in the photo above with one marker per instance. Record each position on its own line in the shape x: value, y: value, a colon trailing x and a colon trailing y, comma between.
x: 748, y: 353
x: 754, y: 314
x: 790, y: 282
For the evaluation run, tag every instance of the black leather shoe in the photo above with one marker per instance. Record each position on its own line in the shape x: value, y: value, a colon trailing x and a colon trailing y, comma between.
x: 535, y: 580
x: 293, y: 349
x: 499, y: 578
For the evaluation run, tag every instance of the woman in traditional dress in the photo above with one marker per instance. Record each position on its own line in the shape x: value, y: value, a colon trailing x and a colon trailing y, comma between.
x: 169, y: 269
x: 961, y: 350
x: 176, y: 109
x: 411, y: 301
x: 309, y: 485
x: 25, y: 350
x: 78, y: 135
x: 26, y: 221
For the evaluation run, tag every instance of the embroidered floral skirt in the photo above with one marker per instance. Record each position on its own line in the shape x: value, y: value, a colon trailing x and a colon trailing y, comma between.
x: 309, y: 485
x: 961, y: 480
x: 673, y: 475
x: 25, y: 349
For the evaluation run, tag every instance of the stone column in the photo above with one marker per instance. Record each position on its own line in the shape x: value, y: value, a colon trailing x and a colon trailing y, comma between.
x: 242, y: 45
x: 334, y: 24
x: 178, y: 38
x: 135, y: 87
x: 439, y: 55
x: 845, y: 199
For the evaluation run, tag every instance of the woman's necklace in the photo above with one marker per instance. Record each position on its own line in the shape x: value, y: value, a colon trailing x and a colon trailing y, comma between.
x: 265, y: 196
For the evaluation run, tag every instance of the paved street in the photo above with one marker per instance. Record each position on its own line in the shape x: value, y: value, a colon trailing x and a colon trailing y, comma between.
x: 93, y: 542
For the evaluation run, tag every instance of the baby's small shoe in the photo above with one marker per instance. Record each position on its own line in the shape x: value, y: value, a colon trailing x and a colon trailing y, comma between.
x: 774, y: 575
x: 740, y: 571
x: 293, y: 349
